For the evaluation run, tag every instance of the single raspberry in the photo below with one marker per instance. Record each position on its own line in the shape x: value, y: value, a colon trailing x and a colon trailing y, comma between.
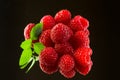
x: 27, y: 30
x: 82, y: 56
x: 69, y: 74
x: 79, y: 23
x: 45, y: 38
x: 84, y: 50
x: 66, y: 63
x: 60, y: 33
x: 48, y: 22
x: 63, y: 16
x: 48, y: 69
x: 63, y: 48
x: 48, y: 56
x: 80, y: 39
x: 84, y: 70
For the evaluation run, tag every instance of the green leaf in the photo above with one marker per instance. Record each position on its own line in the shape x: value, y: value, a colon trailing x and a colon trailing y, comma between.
x: 23, y: 66
x: 25, y: 56
x: 36, y: 30
x: 26, y: 44
x: 38, y: 47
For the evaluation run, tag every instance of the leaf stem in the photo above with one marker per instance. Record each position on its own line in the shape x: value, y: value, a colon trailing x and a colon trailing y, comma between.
x: 33, y: 62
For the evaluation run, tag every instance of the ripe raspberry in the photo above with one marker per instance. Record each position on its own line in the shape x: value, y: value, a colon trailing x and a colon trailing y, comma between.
x: 48, y: 69
x: 69, y: 74
x: 63, y: 16
x: 80, y: 39
x: 27, y: 30
x: 45, y: 38
x: 84, y: 50
x: 82, y: 56
x: 61, y: 33
x: 63, y: 48
x: 48, y: 22
x: 79, y: 23
x: 48, y: 56
x: 66, y: 63
x: 84, y: 70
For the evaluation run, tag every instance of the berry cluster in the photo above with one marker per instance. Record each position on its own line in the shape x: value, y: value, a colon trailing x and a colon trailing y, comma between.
x: 66, y: 42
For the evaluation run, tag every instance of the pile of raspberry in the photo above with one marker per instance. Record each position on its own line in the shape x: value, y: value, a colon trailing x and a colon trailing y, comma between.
x: 67, y: 44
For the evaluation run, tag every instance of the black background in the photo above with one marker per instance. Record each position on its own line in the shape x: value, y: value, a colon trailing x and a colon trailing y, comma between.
x: 104, y: 28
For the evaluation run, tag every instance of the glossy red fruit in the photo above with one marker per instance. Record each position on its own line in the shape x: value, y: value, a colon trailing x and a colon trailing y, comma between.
x: 80, y: 39
x: 63, y: 16
x: 48, y: 22
x: 45, y: 38
x: 48, y: 69
x: 64, y: 48
x: 79, y: 23
x: 84, y: 70
x: 48, y: 56
x: 82, y: 56
x: 27, y: 30
x: 66, y: 63
x: 69, y: 74
x: 60, y: 33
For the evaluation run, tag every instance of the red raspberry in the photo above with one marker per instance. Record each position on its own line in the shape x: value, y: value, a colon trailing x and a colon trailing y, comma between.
x: 27, y: 30
x: 45, y: 38
x: 84, y: 70
x: 60, y: 33
x: 84, y: 50
x: 80, y: 39
x: 79, y: 23
x: 82, y: 56
x: 48, y: 69
x: 48, y: 56
x: 66, y: 63
x: 69, y: 74
x: 63, y: 16
x: 48, y: 22
x: 63, y: 48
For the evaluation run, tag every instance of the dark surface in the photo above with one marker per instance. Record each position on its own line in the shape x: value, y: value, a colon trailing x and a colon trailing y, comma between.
x: 104, y: 29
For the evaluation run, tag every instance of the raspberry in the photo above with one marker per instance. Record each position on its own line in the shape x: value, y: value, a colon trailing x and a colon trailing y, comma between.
x: 66, y: 63
x: 69, y: 74
x: 60, y: 33
x: 79, y: 23
x: 80, y: 39
x: 48, y: 69
x: 63, y: 16
x: 48, y: 22
x: 45, y: 38
x: 84, y: 70
x: 84, y: 50
x: 48, y: 56
x: 27, y: 30
x: 82, y: 56
x: 63, y: 48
